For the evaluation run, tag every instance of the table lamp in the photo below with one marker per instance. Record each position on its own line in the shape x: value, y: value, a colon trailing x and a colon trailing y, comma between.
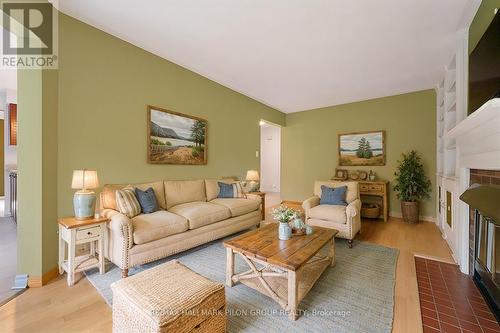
x: 253, y: 178
x: 84, y: 200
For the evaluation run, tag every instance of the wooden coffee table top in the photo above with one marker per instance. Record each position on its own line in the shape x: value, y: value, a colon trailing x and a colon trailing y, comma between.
x: 263, y: 244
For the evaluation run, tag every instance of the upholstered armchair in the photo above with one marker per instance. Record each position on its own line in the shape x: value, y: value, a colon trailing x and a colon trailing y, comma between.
x: 345, y: 219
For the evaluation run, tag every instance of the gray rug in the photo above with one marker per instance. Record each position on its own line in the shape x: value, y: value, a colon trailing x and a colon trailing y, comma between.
x: 357, y: 295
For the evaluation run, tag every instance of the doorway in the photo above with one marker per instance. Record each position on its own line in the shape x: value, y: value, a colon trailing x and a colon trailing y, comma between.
x: 270, y: 161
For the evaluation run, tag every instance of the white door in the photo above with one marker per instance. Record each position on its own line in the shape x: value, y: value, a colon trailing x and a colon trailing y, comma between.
x: 270, y: 157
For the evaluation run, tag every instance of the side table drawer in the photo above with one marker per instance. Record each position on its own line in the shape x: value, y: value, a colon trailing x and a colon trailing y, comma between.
x: 376, y: 188
x: 93, y: 232
x: 364, y: 187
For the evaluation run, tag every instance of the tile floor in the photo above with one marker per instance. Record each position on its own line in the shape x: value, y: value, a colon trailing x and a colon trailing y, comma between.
x: 450, y: 301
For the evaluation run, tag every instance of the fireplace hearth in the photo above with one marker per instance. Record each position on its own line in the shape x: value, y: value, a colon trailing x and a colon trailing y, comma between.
x: 484, y: 202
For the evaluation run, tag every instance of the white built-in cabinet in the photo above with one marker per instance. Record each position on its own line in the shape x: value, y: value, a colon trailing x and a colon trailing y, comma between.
x: 451, y: 109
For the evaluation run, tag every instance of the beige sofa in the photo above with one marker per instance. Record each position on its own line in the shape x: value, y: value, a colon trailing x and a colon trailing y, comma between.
x: 190, y: 215
x: 345, y: 219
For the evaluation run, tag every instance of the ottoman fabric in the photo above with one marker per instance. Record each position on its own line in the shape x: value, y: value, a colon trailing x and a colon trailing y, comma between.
x: 168, y: 298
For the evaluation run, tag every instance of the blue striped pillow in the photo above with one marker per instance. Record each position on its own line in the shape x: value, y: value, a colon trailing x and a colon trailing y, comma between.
x: 232, y: 190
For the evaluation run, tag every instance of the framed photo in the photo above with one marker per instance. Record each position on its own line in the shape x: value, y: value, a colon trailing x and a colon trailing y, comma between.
x: 340, y: 174
x: 363, y: 148
x: 176, y: 138
x: 363, y: 175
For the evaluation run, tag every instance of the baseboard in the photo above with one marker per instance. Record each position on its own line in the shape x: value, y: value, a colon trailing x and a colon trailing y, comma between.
x: 421, y: 218
x: 39, y: 281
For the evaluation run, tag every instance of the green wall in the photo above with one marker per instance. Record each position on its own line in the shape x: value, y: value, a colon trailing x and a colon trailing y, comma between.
x: 482, y: 20
x: 105, y: 85
x: 310, y: 140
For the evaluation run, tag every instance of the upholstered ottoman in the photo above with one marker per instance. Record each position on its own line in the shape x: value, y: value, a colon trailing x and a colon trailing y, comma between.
x: 168, y: 298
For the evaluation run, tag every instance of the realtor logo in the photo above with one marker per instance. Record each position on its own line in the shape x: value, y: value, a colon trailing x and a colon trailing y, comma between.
x: 29, y: 38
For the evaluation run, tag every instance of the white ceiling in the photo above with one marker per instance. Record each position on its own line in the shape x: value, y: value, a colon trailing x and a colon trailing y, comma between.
x: 292, y: 55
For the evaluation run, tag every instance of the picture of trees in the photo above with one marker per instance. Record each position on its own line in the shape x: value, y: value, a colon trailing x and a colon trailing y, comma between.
x: 176, y: 138
x: 359, y: 149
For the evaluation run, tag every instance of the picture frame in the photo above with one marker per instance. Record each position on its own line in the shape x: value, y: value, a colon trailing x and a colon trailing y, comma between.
x: 175, y: 138
x: 363, y: 175
x: 341, y: 174
x: 362, y: 148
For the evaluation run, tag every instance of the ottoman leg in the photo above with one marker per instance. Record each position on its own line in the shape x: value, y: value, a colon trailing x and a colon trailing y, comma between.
x: 124, y: 272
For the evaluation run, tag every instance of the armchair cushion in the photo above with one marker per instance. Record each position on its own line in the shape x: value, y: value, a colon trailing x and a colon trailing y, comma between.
x: 336, y: 214
x: 352, y: 189
x: 333, y: 195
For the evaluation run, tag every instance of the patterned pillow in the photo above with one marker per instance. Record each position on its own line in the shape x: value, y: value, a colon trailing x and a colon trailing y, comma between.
x: 333, y: 196
x: 232, y: 190
x: 127, y: 203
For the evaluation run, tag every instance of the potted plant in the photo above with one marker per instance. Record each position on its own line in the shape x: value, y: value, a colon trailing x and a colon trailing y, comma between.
x: 412, y: 185
x: 284, y: 215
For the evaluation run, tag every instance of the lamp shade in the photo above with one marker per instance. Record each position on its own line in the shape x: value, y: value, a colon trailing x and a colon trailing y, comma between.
x: 252, y: 175
x: 84, y: 179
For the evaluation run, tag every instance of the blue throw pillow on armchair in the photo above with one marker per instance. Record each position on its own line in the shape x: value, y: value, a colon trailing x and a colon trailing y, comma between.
x: 147, y: 200
x: 333, y: 196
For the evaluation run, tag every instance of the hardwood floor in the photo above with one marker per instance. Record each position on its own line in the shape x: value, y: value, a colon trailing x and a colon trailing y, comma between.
x: 58, y: 308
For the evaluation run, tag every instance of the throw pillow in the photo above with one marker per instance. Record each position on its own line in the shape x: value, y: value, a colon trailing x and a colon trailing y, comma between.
x: 232, y: 190
x: 127, y: 203
x: 147, y: 200
x: 333, y: 196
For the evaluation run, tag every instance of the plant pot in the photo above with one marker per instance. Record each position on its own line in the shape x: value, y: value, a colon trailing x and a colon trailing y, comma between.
x: 409, y: 209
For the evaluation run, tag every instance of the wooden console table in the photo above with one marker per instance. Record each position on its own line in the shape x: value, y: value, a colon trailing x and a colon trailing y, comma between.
x: 375, y: 189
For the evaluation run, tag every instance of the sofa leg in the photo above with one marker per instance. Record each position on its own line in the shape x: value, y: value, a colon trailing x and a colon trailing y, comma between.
x: 125, y: 273
x: 349, y: 242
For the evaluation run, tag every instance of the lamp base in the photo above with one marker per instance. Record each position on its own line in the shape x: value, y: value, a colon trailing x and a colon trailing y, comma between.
x: 84, y: 205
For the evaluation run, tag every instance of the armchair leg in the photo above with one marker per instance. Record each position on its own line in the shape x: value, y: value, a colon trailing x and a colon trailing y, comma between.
x: 124, y: 273
x: 349, y: 243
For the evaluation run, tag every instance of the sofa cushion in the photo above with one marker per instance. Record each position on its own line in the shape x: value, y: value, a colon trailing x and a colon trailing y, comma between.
x: 183, y: 191
x: 127, y: 203
x: 201, y: 213
x: 331, y: 213
x: 238, y: 206
x: 147, y: 200
x: 352, y: 189
x: 157, y: 225
x: 108, y: 193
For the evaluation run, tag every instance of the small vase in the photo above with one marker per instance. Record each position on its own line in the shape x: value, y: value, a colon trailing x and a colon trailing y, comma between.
x: 298, y: 223
x: 309, y: 230
x: 284, y: 231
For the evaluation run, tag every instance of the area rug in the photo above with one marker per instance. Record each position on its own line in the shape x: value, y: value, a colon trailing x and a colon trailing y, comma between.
x: 357, y: 295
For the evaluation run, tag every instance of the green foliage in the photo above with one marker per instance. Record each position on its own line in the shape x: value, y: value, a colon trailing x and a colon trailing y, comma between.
x: 197, y: 151
x: 364, y: 149
x: 155, y: 141
x: 198, y: 132
x: 411, y: 183
x: 283, y: 214
x: 168, y: 143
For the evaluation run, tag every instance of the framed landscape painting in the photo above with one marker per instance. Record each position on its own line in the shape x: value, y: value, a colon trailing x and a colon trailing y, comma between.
x: 364, y: 148
x: 176, y: 138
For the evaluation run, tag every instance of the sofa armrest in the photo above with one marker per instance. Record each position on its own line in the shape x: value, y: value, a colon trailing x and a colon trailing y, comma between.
x: 353, y: 209
x: 253, y: 197
x: 310, y: 203
x: 120, y: 225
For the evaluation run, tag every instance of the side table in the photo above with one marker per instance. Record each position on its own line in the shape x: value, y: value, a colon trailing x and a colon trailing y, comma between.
x: 262, y: 196
x: 73, y: 232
